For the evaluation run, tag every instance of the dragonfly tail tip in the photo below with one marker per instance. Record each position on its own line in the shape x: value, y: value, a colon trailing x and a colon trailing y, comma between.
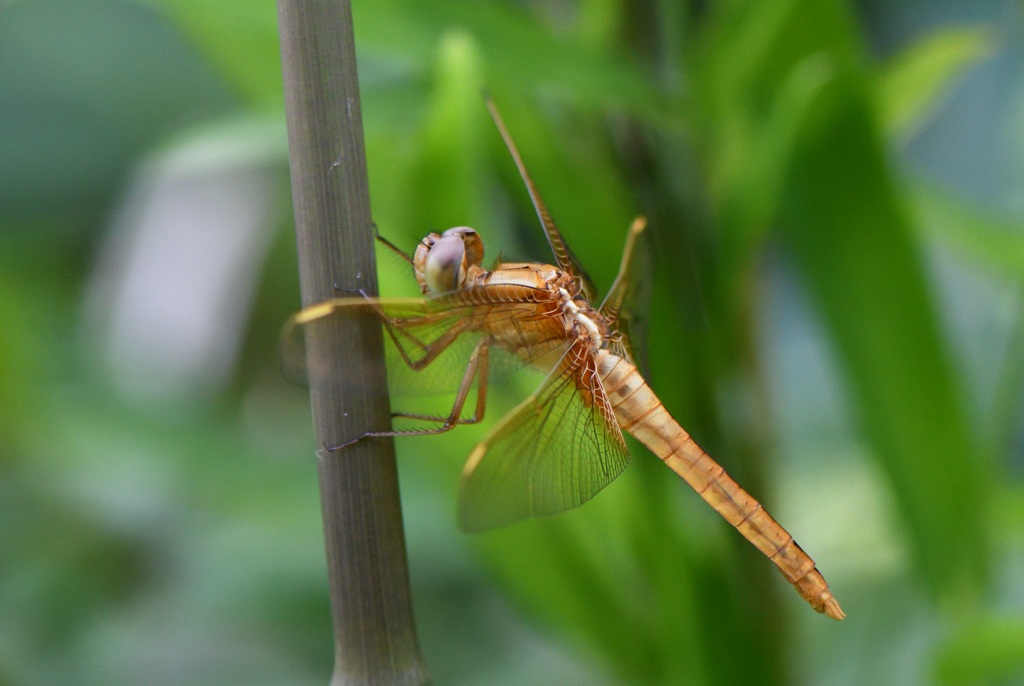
x: 832, y: 609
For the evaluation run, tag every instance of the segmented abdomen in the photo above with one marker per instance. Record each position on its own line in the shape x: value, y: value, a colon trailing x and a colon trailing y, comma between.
x: 640, y: 412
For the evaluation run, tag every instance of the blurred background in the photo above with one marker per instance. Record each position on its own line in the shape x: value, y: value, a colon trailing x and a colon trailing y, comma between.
x: 836, y: 256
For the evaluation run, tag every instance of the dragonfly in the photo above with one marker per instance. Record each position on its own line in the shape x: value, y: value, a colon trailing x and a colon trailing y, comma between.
x: 564, y: 443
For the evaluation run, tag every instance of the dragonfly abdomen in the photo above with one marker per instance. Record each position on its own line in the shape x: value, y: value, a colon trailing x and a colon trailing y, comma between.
x: 639, y: 412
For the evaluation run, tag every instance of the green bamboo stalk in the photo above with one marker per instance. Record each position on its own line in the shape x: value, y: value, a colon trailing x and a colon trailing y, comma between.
x: 374, y: 634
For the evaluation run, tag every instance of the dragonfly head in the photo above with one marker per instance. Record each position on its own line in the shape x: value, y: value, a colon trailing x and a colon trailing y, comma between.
x: 441, y: 262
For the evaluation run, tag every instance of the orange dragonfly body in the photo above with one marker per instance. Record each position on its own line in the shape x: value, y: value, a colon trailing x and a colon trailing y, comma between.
x: 564, y: 443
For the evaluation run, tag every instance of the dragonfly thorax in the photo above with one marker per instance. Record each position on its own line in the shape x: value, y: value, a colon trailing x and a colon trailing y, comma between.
x: 451, y: 261
x: 582, y: 320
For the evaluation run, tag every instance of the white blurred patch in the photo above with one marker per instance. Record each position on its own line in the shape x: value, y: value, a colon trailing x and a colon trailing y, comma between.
x: 175, y: 277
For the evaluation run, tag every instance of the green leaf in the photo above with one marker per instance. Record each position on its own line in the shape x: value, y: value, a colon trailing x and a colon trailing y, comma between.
x: 913, y: 83
x: 986, y: 651
x: 519, y: 51
x: 993, y: 243
x: 849, y: 230
x: 995, y: 246
x: 239, y: 38
x: 449, y: 188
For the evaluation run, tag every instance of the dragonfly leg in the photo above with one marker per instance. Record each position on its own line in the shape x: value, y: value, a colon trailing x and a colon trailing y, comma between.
x: 342, y: 289
x: 428, y: 350
x: 477, y: 368
x: 454, y: 417
x: 390, y: 246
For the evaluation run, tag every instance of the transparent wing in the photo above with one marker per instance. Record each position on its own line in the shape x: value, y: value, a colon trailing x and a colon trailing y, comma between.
x: 563, y: 255
x: 552, y: 453
x: 428, y: 341
x: 421, y: 345
x: 626, y: 308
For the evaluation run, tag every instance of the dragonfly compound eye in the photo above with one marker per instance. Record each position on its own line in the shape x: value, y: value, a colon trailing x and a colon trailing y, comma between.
x: 445, y: 269
x: 474, y: 245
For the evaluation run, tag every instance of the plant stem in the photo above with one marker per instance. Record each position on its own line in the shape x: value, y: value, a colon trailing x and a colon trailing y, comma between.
x: 374, y: 634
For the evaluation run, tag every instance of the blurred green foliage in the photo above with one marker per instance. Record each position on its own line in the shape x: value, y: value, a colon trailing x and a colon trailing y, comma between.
x: 821, y: 319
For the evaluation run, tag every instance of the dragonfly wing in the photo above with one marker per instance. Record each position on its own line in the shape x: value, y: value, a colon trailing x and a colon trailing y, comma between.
x: 311, y: 321
x: 552, y: 453
x: 631, y: 323
x: 427, y: 345
x: 626, y: 306
x: 563, y: 255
